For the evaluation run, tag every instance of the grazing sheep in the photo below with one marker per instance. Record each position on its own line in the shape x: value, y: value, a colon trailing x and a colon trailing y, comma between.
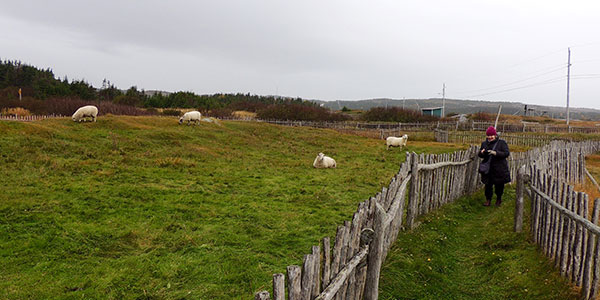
x: 191, y: 116
x: 393, y: 141
x: 84, y: 112
x: 323, y: 161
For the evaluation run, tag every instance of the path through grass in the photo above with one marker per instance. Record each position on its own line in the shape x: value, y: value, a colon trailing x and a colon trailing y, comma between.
x: 468, y: 251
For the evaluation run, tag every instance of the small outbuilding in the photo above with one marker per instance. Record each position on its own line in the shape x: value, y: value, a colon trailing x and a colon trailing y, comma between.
x: 433, y: 111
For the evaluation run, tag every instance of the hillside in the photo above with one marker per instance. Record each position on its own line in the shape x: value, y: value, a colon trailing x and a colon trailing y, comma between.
x: 132, y: 207
x: 467, y: 107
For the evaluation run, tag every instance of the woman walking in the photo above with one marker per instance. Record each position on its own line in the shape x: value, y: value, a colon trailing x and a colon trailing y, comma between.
x: 495, y: 151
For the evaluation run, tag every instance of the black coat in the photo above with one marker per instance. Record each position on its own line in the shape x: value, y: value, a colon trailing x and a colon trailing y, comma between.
x: 499, y: 171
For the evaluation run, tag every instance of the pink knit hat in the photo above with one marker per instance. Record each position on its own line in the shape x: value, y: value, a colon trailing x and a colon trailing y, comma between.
x: 490, y: 131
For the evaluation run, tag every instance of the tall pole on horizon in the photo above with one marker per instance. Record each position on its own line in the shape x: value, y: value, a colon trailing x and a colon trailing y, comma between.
x: 568, y: 82
x: 444, y: 101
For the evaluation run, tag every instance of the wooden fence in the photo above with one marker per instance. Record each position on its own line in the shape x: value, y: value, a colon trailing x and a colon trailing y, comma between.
x: 560, y: 222
x: 399, y: 128
x: 28, y: 118
x: 386, y: 129
x: 351, y: 269
x: 476, y: 138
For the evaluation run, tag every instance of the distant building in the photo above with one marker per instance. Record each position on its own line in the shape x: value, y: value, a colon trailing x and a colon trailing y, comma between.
x: 433, y: 111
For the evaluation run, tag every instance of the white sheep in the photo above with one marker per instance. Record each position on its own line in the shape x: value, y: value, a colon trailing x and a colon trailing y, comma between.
x: 84, y: 112
x: 191, y: 116
x: 323, y: 161
x: 393, y: 141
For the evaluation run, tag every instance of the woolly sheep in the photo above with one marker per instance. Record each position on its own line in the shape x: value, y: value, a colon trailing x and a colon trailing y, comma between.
x: 191, y: 116
x: 323, y: 161
x: 84, y: 112
x: 393, y: 141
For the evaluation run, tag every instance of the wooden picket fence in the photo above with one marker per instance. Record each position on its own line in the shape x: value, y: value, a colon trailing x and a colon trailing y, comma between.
x: 560, y: 222
x: 28, y: 118
x: 475, y: 138
x: 399, y: 128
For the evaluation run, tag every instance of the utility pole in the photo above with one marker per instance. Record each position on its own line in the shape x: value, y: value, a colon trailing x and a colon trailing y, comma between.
x: 497, y: 116
x: 444, y: 101
x: 568, y: 82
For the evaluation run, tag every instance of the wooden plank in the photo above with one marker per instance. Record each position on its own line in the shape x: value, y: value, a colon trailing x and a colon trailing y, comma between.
x: 354, y: 244
x: 572, y: 237
x: 596, y: 268
x: 361, y: 271
x: 316, y: 288
x: 442, y: 164
x: 264, y: 295
x: 561, y: 224
x: 394, y: 215
x: 553, y: 222
x: 519, y: 200
x: 374, y: 256
x: 337, y: 251
x: 578, y: 241
x: 326, y: 262
x: 588, y: 276
x: 413, y: 193
x: 278, y: 286
x: 337, y: 282
x: 294, y: 275
x: 344, y: 254
x: 308, y: 272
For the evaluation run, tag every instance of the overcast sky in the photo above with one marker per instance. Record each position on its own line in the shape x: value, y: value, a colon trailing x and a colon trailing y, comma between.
x: 329, y: 50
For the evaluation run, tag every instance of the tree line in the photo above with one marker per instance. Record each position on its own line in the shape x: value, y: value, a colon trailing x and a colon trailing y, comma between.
x: 43, y: 93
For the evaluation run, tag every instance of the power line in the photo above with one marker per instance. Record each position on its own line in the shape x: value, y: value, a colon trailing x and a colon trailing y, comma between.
x: 549, y: 81
x: 585, y: 75
x: 562, y: 66
x: 537, y: 58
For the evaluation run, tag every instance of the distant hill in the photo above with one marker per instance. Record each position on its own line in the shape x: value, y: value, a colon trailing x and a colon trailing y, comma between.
x: 467, y: 107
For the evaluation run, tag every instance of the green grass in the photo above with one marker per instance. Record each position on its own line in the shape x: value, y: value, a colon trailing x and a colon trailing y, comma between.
x: 468, y: 251
x: 142, y: 208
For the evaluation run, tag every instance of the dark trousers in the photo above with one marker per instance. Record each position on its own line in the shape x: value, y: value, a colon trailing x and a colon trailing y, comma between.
x: 489, y: 191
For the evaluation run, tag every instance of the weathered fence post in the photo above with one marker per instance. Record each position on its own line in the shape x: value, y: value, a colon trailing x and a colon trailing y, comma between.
x: 411, y: 210
x: 588, y: 273
x: 375, y: 255
x: 278, y: 287
x: 519, y: 201
x: 264, y: 295
x: 294, y: 275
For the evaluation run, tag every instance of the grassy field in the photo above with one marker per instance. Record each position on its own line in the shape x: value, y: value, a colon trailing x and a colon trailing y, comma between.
x: 142, y: 208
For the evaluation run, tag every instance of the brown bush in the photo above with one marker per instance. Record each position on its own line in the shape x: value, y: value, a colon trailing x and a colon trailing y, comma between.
x: 396, y: 114
x: 67, y: 106
x: 19, y: 111
x: 299, y: 112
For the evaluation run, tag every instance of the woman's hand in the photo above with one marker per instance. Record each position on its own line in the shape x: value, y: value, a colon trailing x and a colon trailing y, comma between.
x: 492, y: 152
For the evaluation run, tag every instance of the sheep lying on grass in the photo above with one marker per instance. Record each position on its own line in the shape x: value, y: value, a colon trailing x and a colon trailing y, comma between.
x: 191, y: 116
x: 393, y: 141
x: 323, y: 161
x: 84, y: 112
